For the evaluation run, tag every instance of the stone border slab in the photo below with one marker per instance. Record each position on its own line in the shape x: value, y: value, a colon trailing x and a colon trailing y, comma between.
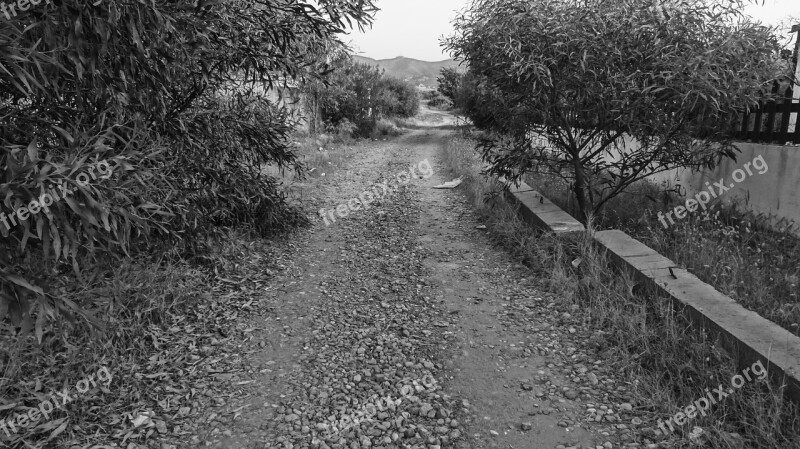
x: 540, y: 212
x: 746, y: 334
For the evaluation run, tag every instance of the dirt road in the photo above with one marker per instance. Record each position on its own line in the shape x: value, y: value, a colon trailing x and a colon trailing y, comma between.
x: 403, y: 326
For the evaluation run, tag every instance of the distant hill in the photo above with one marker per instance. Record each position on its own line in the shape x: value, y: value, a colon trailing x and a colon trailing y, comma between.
x: 412, y: 70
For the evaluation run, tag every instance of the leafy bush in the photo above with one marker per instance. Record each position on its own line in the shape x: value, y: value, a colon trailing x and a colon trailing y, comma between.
x: 165, y: 90
x: 404, y: 97
x: 449, y: 83
x: 437, y: 100
x: 345, y: 130
x: 385, y: 128
x: 355, y: 89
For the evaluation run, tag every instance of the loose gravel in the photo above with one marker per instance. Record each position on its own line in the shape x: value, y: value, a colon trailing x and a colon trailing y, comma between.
x: 405, y: 326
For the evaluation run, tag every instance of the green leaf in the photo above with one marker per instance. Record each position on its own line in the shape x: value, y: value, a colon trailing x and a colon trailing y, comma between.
x: 19, y: 280
x: 33, y: 151
x: 64, y: 133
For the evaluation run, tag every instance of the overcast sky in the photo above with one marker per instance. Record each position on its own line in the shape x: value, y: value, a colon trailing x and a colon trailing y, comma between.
x: 412, y: 28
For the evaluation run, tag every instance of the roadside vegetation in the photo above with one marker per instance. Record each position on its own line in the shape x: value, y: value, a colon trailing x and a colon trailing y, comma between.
x: 358, y: 100
x: 556, y: 149
x: 632, y: 89
x: 145, y: 272
x: 742, y: 254
x: 669, y: 365
x: 435, y: 99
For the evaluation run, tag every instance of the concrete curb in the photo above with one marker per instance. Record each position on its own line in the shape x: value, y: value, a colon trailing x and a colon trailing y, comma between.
x: 540, y: 212
x: 747, y: 335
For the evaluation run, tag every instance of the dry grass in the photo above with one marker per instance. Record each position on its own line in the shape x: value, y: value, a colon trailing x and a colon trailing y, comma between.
x: 737, y: 252
x: 321, y: 155
x: 668, y: 363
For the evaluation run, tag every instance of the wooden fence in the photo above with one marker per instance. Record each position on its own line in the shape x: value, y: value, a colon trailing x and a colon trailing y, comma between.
x: 772, y: 122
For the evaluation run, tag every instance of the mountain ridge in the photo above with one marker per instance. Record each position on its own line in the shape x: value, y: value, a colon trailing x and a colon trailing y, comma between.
x: 403, y: 57
x: 410, y: 69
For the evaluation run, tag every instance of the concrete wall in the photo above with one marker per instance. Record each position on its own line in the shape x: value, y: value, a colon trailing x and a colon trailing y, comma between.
x: 776, y: 193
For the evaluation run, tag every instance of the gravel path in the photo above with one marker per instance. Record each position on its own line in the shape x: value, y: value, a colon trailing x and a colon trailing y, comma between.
x: 404, y: 326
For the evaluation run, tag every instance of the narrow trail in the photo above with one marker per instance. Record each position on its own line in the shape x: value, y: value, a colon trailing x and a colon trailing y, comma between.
x: 408, y: 318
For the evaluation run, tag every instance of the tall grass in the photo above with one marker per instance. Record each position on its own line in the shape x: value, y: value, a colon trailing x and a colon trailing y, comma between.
x: 668, y: 364
x: 736, y: 251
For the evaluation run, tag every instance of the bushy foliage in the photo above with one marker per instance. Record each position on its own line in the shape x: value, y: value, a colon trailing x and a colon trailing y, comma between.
x: 173, y: 93
x: 449, y: 82
x: 436, y: 100
x: 473, y: 95
x: 607, y: 92
x: 402, y: 98
x: 353, y: 90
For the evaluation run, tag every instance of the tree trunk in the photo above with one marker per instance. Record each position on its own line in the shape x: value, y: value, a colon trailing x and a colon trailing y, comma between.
x: 581, y: 185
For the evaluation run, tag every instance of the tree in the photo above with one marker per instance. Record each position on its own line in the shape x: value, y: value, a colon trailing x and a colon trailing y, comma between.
x: 405, y: 97
x: 353, y: 89
x: 450, y: 80
x: 620, y: 89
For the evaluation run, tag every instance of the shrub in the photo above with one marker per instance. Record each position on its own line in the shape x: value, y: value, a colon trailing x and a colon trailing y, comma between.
x: 169, y: 94
x: 437, y: 100
x: 353, y: 90
x: 385, y: 128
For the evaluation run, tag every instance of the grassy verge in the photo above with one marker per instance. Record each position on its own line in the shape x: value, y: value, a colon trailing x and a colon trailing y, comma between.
x: 735, y: 251
x: 669, y: 364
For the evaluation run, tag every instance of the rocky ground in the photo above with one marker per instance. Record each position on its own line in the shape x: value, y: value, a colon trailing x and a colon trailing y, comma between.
x: 405, y: 326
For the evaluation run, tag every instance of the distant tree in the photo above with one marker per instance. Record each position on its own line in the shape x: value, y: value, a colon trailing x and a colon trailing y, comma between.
x: 404, y: 93
x: 472, y: 97
x: 353, y: 89
x: 621, y: 89
x: 437, y: 100
x: 450, y: 81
